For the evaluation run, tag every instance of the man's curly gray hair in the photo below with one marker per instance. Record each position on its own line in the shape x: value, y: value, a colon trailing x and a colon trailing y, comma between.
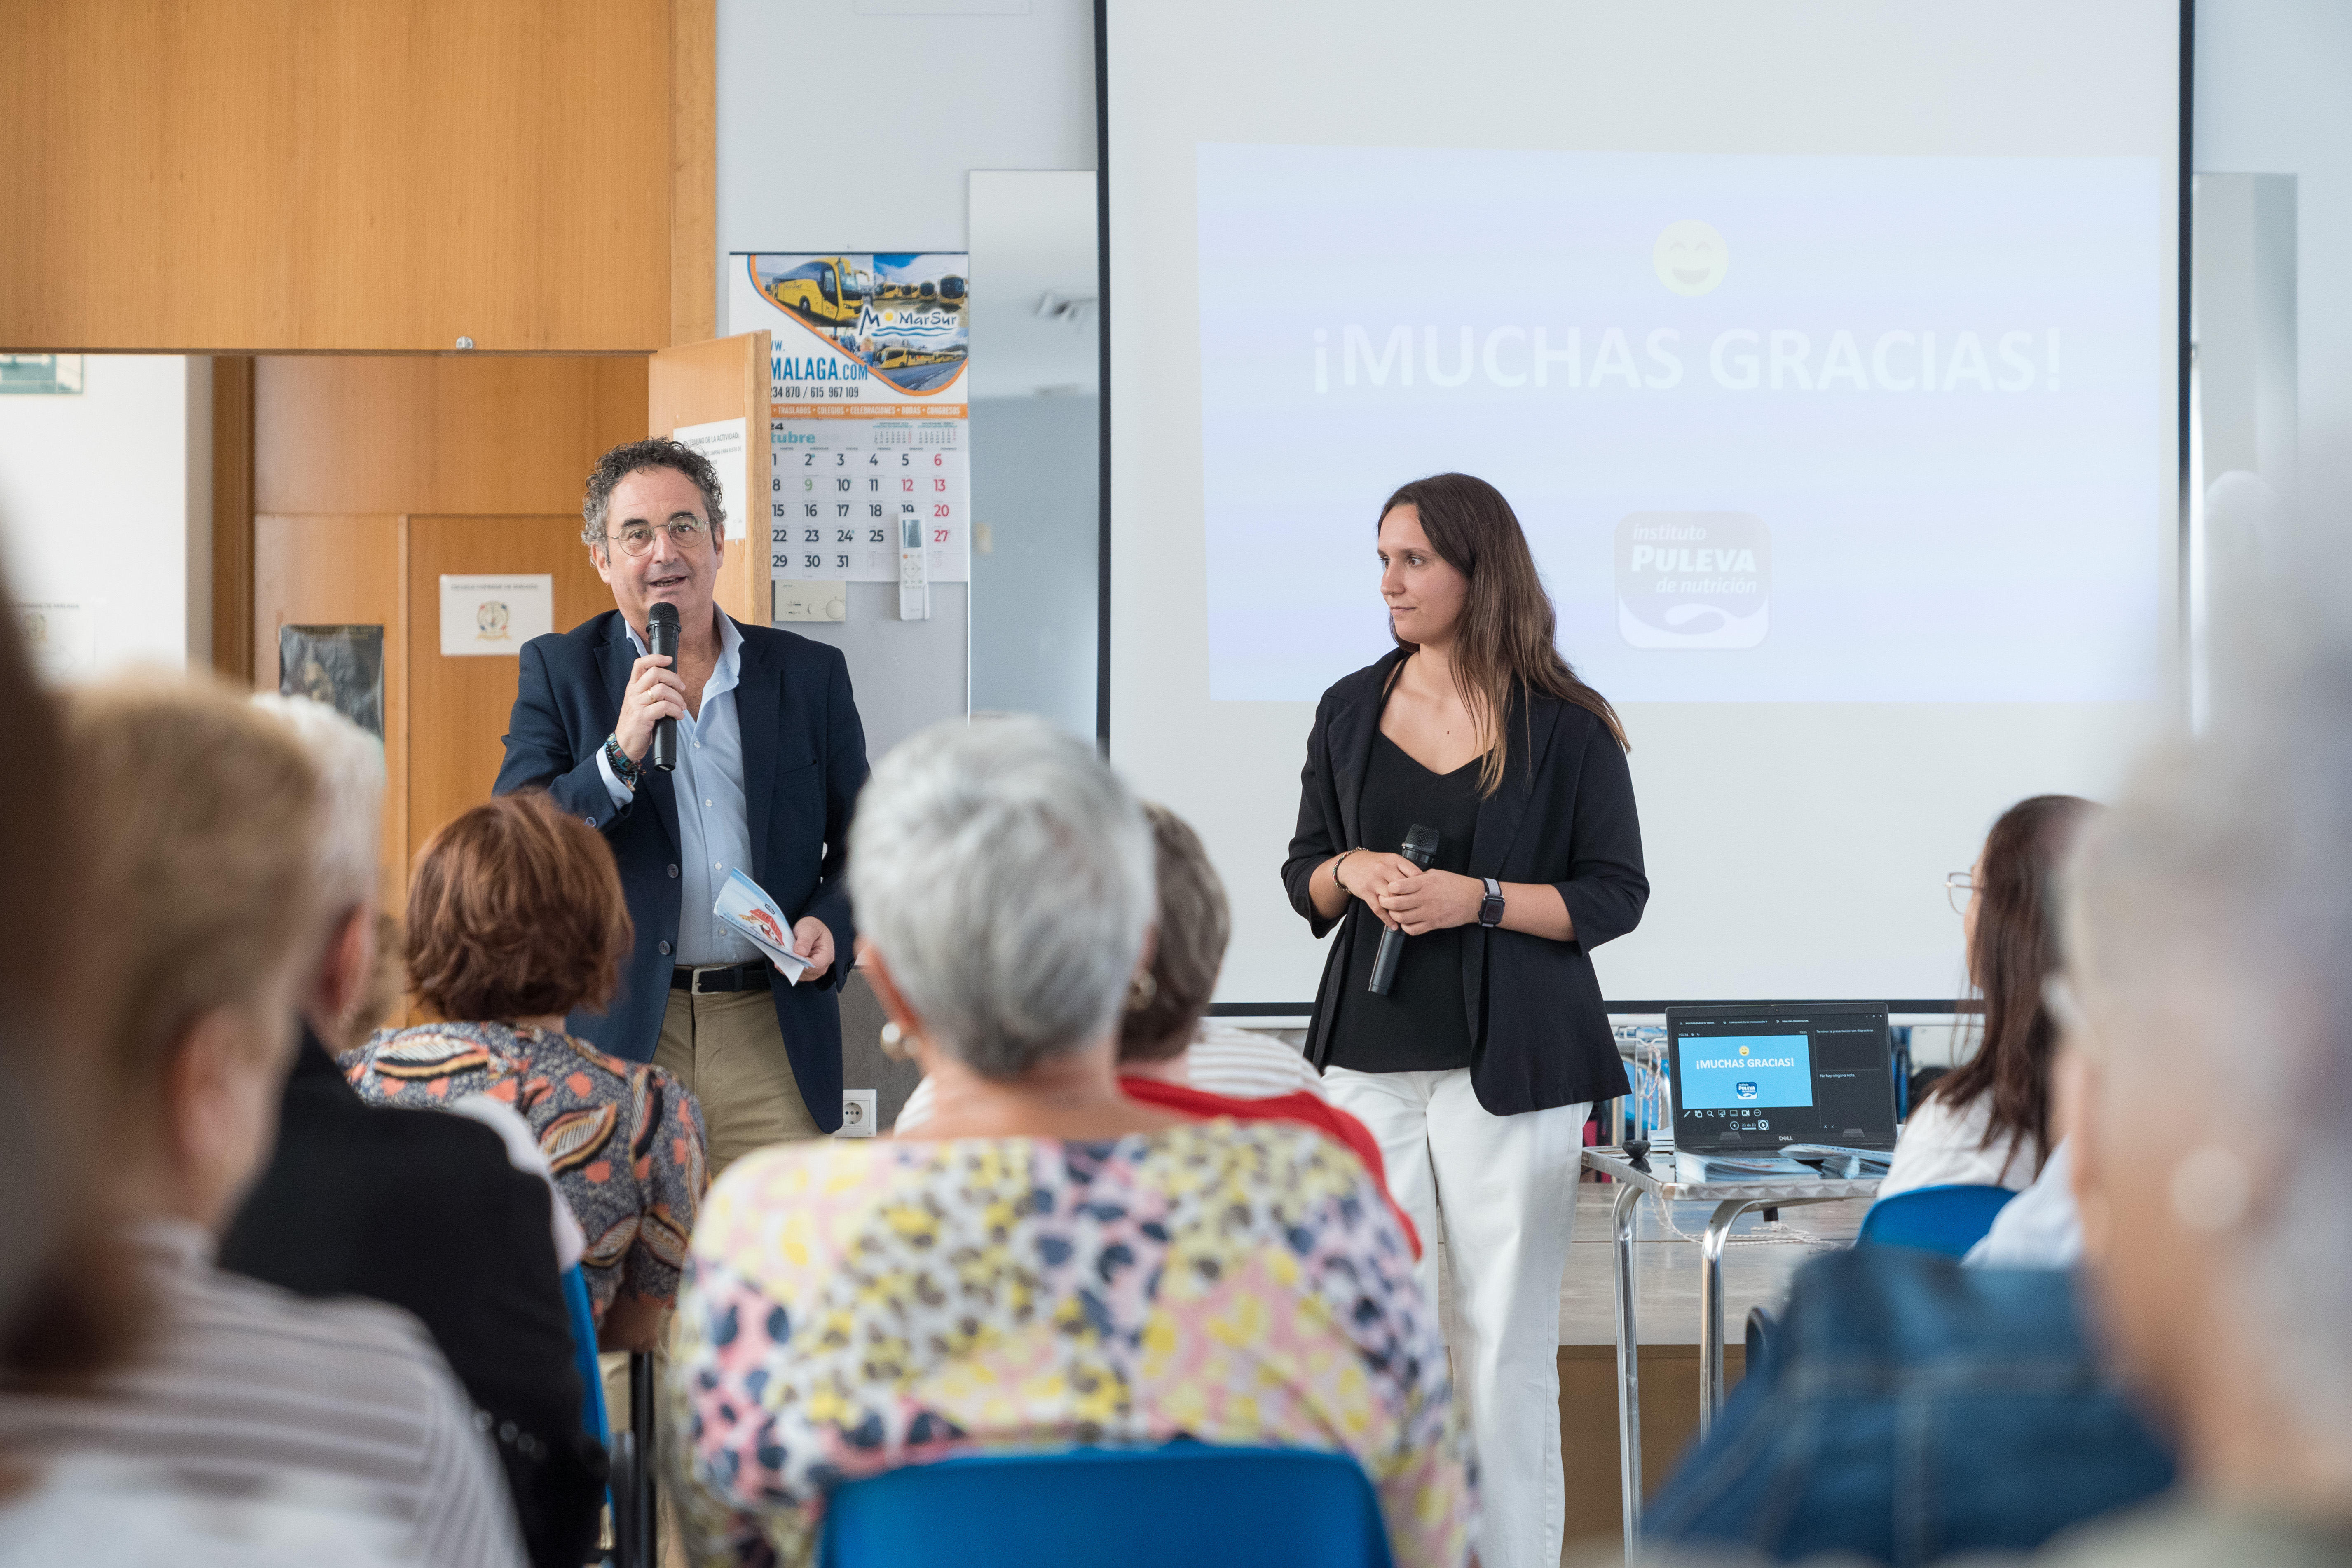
x: 635, y: 456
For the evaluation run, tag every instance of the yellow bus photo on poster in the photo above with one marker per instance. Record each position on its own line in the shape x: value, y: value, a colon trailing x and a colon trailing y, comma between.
x: 866, y: 416
x: 902, y: 316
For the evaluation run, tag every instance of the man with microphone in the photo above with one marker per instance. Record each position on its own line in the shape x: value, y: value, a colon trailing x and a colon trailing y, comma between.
x: 742, y: 752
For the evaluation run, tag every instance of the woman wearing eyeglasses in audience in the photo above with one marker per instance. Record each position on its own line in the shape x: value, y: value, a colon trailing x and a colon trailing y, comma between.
x: 1987, y: 1123
x: 1050, y: 1262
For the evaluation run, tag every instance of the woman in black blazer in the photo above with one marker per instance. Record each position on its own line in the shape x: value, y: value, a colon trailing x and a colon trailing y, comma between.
x: 1478, y: 1067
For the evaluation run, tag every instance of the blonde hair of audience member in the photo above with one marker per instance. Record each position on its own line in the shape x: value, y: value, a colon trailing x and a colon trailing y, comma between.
x: 1165, y: 1003
x: 349, y: 763
x: 1010, y: 982
x: 69, y: 1300
x: 2208, y: 933
x: 206, y: 867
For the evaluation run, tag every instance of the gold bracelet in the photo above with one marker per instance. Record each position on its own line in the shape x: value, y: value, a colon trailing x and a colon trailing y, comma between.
x: 1334, y: 871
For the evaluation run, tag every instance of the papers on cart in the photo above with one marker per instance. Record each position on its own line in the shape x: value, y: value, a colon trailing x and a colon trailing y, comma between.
x: 1760, y: 1166
x: 745, y: 905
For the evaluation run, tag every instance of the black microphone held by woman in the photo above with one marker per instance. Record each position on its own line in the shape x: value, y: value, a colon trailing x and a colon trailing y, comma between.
x: 1419, y: 846
x: 661, y: 639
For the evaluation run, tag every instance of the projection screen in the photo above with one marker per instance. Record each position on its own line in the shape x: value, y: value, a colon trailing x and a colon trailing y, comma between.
x: 1829, y: 354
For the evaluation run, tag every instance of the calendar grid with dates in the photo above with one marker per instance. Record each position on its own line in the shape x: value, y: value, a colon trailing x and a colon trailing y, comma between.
x: 846, y: 491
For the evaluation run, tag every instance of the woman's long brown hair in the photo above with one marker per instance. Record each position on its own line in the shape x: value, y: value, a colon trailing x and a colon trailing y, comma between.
x: 2016, y: 949
x: 1503, y: 643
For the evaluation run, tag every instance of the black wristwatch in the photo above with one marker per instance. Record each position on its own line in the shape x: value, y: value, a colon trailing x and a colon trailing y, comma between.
x: 1490, y: 907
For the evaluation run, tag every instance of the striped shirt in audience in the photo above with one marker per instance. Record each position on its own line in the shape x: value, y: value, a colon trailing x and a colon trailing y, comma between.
x: 1243, y: 1063
x: 245, y: 1393
x: 1247, y: 1064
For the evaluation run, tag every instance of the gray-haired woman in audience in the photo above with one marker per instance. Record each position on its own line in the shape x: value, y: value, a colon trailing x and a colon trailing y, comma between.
x: 1050, y: 1259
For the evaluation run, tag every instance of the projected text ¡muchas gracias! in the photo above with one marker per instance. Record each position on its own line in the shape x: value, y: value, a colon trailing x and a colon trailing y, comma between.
x: 1741, y: 359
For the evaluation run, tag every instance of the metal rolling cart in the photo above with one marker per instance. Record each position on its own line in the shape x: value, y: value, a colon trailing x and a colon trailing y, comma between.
x: 1639, y: 1179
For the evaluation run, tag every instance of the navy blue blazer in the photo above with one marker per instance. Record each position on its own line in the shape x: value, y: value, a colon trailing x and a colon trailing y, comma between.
x: 804, y: 763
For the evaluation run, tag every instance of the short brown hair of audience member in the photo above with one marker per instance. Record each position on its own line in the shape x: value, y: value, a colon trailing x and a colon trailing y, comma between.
x: 208, y: 870
x: 1195, y: 922
x: 515, y: 911
x: 515, y: 920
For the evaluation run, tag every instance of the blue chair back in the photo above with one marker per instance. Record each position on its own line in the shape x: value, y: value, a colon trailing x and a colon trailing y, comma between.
x: 1181, y: 1506
x: 1948, y: 1219
x: 583, y: 1355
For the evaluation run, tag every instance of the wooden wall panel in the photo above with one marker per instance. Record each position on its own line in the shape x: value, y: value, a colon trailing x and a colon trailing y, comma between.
x: 699, y: 384
x: 458, y: 706
x: 694, y: 174
x: 443, y: 434
x: 278, y: 175
x: 341, y: 571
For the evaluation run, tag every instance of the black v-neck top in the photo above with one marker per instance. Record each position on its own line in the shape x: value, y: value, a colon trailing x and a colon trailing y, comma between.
x: 1422, y: 1025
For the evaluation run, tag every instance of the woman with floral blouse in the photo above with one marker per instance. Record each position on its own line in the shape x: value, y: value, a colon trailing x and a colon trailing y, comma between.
x: 1050, y: 1263
x: 515, y: 919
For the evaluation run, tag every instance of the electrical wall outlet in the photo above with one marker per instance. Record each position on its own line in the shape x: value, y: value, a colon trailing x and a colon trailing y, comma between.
x: 857, y: 1113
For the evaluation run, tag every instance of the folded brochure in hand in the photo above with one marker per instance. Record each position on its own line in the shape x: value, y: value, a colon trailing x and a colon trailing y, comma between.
x: 745, y: 905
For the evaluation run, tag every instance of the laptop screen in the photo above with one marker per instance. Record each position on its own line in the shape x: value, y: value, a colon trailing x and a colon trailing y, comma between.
x: 1755, y: 1076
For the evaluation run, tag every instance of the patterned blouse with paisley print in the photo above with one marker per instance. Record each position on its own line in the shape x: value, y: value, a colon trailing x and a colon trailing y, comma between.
x: 625, y: 1140
x: 854, y: 1306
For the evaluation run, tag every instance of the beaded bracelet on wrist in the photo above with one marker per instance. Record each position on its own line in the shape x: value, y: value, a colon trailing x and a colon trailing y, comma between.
x: 623, y: 769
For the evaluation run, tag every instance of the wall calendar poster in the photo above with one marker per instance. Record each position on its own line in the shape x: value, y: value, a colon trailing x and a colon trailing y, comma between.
x: 867, y: 413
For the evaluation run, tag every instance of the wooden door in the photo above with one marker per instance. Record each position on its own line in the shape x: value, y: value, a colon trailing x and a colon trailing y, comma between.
x: 355, y: 460
x: 458, y: 705
x: 311, y: 569
x: 705, y: 383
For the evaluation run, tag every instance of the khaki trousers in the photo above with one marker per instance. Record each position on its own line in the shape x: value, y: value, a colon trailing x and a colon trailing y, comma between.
x: 728, y: 1052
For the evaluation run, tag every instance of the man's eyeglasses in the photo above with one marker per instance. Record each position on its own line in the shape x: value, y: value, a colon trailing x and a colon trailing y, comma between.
x: 685, y: 533
x: 1957, y: 887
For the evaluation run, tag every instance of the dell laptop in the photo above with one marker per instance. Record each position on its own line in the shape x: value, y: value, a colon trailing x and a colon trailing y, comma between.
x: 1753, y: 1079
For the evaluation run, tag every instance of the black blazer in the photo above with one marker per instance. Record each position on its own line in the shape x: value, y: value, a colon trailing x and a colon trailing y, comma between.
x: 1564, y: 815
x: 804, y: 763
x: 423, y: 1210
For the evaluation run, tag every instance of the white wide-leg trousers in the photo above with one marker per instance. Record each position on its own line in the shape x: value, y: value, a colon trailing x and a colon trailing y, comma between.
x: 1507, y: 1185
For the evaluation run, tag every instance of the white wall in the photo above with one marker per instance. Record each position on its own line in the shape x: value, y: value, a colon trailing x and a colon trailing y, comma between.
x: 2273, y: 96
x: 106, y: 497
x: 839, y: 130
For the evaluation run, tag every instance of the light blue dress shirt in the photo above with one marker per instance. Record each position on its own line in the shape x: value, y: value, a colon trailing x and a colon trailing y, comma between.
x: 714, y: 823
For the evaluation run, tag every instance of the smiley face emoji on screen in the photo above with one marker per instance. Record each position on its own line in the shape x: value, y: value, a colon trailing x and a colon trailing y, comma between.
x: 1690, y: 257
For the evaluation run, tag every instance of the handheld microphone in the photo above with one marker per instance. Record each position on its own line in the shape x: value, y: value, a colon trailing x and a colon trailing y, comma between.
x: 1420, y: 846
x: 661, y: 638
